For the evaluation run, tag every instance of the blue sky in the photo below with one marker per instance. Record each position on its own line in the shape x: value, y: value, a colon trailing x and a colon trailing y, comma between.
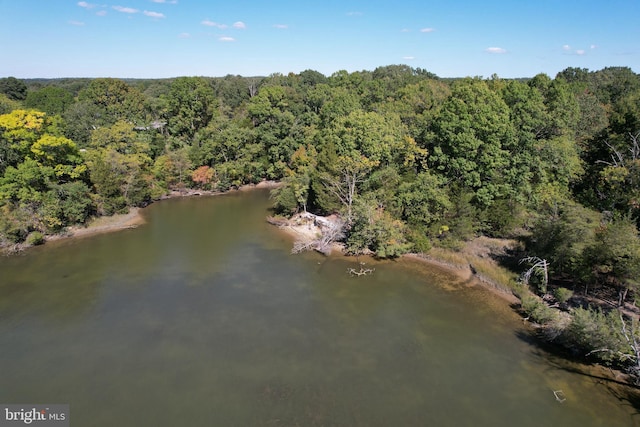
x: 456, y: 38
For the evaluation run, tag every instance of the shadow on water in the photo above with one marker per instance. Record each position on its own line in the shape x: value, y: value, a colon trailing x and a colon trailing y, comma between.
x: 559, y: 358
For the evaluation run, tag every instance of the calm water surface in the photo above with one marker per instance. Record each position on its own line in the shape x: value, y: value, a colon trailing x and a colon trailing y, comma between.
x: 201, y: 317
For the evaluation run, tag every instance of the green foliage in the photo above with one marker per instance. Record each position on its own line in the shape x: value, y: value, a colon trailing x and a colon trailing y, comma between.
x: 562, y: 295
x: 7, y: 104
x: 50, y: 99
x: 598, y: 335
x: 375, y: 230
x: 472, y: 135
x: 191, y: 104
x: 462, y: 219
x: 75, y: 202
x: 614, y: 255
x: 408, y: 159
x: 35, y: 238
x: 15, y: 223
x: 424, y: 200
x: 13, y: 88
x: 119, y: 181
x: 21, y: 128
x: 563, y: 237
x: 537, y: 309
x: 417, y: 237
x: 502, y: 218
x: 25, y: 183
x: 114, y: 100
x: 284, y: 199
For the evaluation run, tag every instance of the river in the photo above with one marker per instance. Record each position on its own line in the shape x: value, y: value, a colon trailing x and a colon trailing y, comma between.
x: 202, y: 317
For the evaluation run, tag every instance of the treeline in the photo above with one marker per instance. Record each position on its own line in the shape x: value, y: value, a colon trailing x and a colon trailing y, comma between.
x: 409, y: 160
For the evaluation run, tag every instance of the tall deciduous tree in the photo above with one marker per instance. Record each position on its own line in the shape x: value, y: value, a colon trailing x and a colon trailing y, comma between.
x: 615, y: 256
x: 114, y: 99
x: 472, y: 138
x: 50, y: 99
x: 191, y: 104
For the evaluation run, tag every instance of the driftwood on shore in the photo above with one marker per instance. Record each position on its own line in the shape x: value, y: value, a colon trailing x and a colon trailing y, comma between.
x: 313, y: 232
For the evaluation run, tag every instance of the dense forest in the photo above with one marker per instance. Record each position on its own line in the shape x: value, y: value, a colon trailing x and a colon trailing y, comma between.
x: 410, y: 161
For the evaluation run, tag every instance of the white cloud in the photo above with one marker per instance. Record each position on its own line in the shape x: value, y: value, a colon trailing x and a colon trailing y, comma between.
x: 86, y: 5
x: 405, y: 30
x: 77, y: 23
x: 427, y: 30
x: 153, y: 14
x: 281, y: 26
x: 593, y: 46
x: 409, y: 58
x: 239, y: 25
x: 568, y: 50
x: 209, y: 23
x: 165, y: 1
x: 184, y: 35
x: 495, y: 50
x: 227, y: 39
x: 101, y: 13
x: 125, y: 9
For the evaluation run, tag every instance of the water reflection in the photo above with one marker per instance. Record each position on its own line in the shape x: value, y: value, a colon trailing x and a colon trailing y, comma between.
x: 202, y: 317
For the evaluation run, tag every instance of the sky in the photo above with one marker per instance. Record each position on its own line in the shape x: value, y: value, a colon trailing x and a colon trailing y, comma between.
x: 454, y: 38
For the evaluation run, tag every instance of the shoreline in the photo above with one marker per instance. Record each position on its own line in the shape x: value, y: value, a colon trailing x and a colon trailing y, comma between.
x: 132, y: 219
x: 466, y: 274
x: 305, y: 233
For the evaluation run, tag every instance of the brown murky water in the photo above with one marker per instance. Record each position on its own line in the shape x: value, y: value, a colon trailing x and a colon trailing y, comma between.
x: 201, y: 317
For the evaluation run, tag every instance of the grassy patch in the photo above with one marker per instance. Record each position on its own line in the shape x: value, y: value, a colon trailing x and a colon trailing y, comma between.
x: 478, y: 253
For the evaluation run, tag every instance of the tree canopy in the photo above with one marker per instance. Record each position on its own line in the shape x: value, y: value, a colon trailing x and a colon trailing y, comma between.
x: 409, y: 159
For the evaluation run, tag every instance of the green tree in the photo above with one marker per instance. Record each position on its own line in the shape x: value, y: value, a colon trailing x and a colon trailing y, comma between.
x: 472, y: 136
x: 13, y: 88
x: 343, y: 179
x: 114, y: 99
x: 417, y: 104
x: 273, y: 113
x: 25, y: 183
x: 121, y: 137
x: 120, y: 180
x: 330, y: 103
x: 293, y: 194
x: 615, y: 256
x: 383, y: 139
x: 233, y: 91
x: 374, y: 229
x: 598, y: 335
x: 50, y: 99
x: 7, y: 105
x: 424, y: 200
x: 81, y: 119
x: 61, y: 154
x: 191, y: 104
x: 562, y: 235
x: 21, y: 128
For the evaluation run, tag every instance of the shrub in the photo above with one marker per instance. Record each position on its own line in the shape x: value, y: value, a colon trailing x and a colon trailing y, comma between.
x: 599, y: 335
x: 537, y: 310
x: 35, y: 238
x: 562, y: 295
